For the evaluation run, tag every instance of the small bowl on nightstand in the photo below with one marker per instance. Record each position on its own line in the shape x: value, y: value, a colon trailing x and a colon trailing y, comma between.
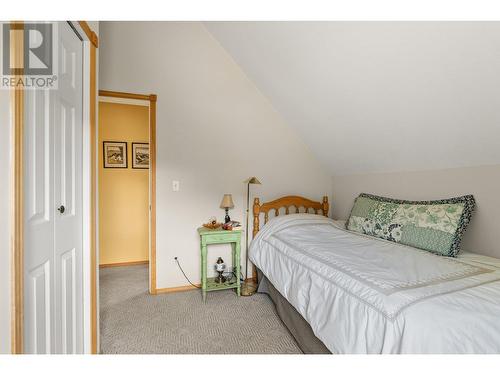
x: 212, y: 225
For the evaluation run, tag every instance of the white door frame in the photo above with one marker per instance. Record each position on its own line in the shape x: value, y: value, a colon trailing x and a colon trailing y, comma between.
x: 87, y: 194
x: 90, y: 44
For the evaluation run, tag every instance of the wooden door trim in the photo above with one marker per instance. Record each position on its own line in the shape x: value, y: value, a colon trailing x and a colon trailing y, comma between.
x: 91, y: 35
x: 17, y: 204
x: 125, y: 95
x: 152, y: 98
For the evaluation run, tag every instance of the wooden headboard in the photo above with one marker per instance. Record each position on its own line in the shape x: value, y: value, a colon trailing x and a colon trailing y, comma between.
x: 285, y: 202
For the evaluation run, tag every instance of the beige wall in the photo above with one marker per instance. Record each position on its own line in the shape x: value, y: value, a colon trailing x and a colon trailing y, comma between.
x: 123, y: 193
x: 482, y: 236
x: 214, y: 129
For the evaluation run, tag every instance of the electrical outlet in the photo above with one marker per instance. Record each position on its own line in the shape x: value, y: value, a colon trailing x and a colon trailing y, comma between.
x: 175, y: 185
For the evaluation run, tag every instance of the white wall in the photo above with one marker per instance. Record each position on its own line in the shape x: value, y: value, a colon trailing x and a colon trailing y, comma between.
x: 379, y: 96
x: 214, y: 129
x: 4, y: 222
x: 482, y: 235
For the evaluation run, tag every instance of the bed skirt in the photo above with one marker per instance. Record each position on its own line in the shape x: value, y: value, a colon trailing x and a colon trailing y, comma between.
x: 296, y: 324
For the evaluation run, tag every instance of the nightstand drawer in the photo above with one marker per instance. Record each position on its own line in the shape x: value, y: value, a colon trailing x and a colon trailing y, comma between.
x: 212, y: 238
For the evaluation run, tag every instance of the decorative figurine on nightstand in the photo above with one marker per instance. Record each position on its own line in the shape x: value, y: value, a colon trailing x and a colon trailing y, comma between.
x: 220, y: 267
x: 227, y: 203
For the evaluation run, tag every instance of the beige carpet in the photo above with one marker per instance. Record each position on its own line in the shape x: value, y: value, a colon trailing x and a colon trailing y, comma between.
x: 132, y: 321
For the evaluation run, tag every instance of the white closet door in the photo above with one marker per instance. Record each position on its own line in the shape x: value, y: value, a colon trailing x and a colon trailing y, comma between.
x: 53, y: 234
x: 68, y: 193
x: 40, y: 210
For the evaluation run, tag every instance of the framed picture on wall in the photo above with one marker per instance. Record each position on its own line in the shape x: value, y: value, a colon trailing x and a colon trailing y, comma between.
x: 115, y: 154
x: 140, y: 155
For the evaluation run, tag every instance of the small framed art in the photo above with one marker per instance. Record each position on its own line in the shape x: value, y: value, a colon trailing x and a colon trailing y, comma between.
x: 140, y: 155
x: 115, y: 154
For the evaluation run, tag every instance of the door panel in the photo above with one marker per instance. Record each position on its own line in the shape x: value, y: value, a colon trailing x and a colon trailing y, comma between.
x: 53, y: 236
x: 67, y: 149
x: 39, y: 322
x: 68, y: 303
x: 68, y: 193
x: 39, y: 141
x: 39, y: 302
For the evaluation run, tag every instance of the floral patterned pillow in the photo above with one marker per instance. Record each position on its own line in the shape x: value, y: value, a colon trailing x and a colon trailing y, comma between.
x: 435, y: 226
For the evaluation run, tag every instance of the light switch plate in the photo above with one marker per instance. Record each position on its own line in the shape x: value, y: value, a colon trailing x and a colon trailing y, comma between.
x: 175, y: 185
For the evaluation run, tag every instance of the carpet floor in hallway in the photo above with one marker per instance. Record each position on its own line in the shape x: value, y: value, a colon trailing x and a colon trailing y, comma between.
x: 134, y: 322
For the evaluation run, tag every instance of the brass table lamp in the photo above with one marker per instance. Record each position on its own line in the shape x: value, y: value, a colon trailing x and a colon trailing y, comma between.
x: 248, y: 288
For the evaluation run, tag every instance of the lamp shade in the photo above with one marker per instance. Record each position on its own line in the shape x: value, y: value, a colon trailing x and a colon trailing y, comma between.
x: 227, y: 201
x: 252, y: 180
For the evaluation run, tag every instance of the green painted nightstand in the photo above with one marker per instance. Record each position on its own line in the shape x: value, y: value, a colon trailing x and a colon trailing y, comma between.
x: 218, y: 236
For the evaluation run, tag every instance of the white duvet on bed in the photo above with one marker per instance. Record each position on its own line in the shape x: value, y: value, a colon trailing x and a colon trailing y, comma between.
x: 366, y: 295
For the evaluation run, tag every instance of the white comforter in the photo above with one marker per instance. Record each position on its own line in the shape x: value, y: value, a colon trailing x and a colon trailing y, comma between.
x: 365, y: 295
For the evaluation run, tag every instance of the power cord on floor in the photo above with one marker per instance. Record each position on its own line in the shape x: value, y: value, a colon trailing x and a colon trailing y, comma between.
x: 196, y: 286
x: 187, y: 278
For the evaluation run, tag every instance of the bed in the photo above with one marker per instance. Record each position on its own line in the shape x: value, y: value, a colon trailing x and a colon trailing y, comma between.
x: 343, y: 292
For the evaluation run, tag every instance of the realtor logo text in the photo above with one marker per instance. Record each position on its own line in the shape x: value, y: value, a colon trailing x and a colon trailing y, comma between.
x: 30, y: 64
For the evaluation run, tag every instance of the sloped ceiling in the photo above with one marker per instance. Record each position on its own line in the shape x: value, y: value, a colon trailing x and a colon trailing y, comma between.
x: 379, y: 96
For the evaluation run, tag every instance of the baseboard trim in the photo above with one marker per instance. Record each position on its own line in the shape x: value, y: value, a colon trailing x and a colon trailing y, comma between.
x: 122, y: 264
x: 184, y: 288
x: 177, y: 289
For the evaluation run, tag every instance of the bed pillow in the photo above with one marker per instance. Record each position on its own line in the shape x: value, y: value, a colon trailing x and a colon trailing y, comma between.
x: 435, y: 226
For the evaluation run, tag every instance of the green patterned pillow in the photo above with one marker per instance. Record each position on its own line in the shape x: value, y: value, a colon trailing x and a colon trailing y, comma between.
x: 435, y: 226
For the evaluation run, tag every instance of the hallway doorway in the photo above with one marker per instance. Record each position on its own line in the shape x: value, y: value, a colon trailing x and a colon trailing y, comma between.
x: 126, y: 186
x: 123, y: 184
